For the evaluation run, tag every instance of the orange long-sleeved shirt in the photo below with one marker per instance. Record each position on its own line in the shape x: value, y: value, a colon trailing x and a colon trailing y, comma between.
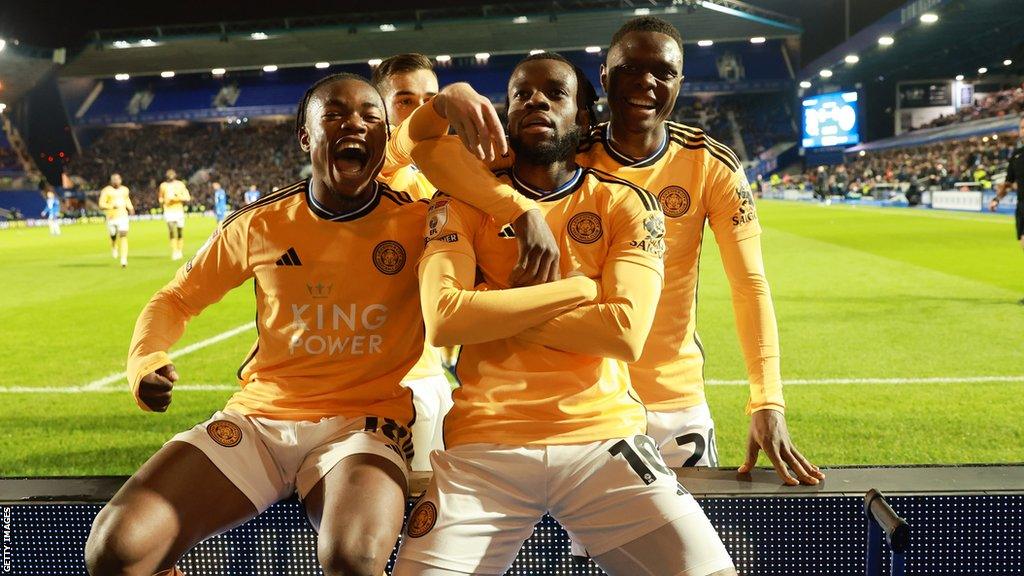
x: 337, y: 313
x: 521, y: 383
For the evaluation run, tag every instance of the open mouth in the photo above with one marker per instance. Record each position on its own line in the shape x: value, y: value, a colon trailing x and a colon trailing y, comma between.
x: 642, y: 103
x: 350, y: 156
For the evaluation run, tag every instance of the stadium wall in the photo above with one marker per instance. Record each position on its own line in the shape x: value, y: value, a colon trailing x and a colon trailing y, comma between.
x: 962, y: 520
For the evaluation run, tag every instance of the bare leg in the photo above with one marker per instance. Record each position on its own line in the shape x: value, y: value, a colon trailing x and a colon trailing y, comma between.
x: 357, y: 510
x: 177, y: 499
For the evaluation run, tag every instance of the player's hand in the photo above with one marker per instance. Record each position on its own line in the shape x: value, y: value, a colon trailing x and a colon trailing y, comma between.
x: 155, y: 388
x: 538, y: 251
x: 993, y: 204
x: 768, y: 432
x: 473, y: 119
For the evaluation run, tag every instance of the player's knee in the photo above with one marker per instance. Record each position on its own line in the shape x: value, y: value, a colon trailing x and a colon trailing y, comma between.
x: 111, y: 547
x: 354, y: 557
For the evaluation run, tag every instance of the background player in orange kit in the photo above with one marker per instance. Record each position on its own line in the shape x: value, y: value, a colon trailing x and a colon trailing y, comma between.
x: 321, y: 411
x: 116, y: 203
x: 173, y: 196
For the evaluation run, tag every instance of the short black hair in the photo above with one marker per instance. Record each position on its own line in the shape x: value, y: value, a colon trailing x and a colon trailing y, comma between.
x: 300, y: 115
x: 586, y: 94
x: 399, y: 64
x: 647, y: 24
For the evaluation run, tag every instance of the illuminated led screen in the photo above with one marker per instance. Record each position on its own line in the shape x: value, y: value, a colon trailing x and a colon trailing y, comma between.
x: 977, y: 535
x: 830, y: 120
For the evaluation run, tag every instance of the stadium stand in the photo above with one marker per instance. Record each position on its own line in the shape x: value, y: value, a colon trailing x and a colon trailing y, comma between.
x: 1006, y: 102
x: 242, y: 139
x: 256, y: 93
x: 264, y: 153
x: 974, y: 163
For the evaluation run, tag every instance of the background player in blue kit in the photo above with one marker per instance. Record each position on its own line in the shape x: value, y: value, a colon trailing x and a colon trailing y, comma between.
x: 220, y: 202
x: 252, y: 194
x: 52, y: 212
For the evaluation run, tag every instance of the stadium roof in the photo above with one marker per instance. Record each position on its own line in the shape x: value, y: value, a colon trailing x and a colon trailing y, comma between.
x: 21, y: 68
x: 968, y: 35
x: 456, y: 31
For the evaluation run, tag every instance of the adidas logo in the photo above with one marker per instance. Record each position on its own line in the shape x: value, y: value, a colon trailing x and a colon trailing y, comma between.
x: 289, y: 258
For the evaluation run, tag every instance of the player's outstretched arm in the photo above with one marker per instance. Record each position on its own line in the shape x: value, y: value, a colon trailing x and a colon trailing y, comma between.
x: 448, y: 165
x: 758, y: 333
x: 733, y: 220
x: 456, y: 106
x: 454, y: 313
x: 219, y: 266
x: 631, y: 280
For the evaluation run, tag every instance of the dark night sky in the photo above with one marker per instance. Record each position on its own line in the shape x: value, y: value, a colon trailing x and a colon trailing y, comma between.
x: 63, y: 23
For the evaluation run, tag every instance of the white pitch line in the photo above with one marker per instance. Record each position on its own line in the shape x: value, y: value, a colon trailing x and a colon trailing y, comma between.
x: 931, y: 380
x: 96, y: 385
x: 712, y: 382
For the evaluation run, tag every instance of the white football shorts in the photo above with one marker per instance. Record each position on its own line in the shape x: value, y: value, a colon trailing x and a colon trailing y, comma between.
x: 484, y: 500
x: 685, y: 437
x: 269, y: 460
x: 432, y: 398
x: 176, y: 219
x: 119, y: 224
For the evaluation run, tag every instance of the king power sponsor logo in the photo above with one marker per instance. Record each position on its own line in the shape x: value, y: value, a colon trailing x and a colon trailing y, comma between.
x: 334, y: 329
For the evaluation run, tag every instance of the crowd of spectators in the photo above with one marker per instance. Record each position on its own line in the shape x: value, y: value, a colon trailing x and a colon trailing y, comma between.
x: 963, y: 164
x: 998, y: 104
x: 266, y: 154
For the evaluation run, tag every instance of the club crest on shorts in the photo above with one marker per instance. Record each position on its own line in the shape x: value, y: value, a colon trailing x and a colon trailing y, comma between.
x: 585, y: 227
x: 674, y: 200
x: 389, y: 257
x: 224, y: 432
x: 422, y: 519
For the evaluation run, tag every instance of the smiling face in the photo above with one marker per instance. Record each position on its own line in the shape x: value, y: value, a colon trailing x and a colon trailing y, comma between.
x: 544, y: 120
x: 642, y: 77
x: 345, y: 135
x: 406, y: 91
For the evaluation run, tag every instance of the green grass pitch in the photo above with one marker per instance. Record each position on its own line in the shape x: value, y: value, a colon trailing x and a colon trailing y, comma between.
x: 900, y: 330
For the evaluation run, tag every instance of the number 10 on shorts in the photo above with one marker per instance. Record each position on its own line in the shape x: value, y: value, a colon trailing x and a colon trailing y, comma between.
x: 647, y: 458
